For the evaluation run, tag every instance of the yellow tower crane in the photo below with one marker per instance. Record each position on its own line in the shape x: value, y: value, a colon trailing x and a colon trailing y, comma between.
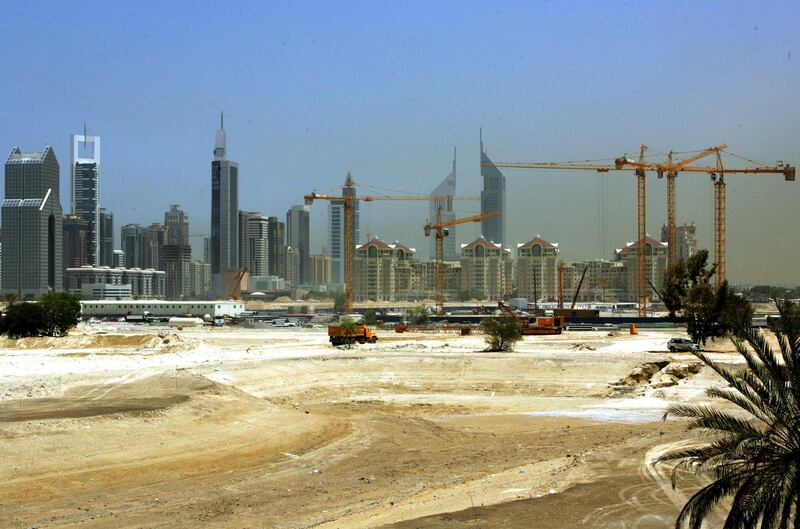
x: 441, y: 232
x: 349, y: 243
x: 671, y: 169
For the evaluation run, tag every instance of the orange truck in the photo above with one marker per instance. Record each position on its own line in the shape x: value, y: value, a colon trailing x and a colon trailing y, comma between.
x: 362, y: 334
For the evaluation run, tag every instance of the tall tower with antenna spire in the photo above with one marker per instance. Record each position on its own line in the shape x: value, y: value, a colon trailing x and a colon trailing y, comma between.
x: 224, y: 213
x: 85, y: 189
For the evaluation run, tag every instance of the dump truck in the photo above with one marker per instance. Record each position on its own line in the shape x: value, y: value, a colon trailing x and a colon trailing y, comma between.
x: 362, y: 334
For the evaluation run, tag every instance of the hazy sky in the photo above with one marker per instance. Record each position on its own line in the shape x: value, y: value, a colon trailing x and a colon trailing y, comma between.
x: 312, y: 90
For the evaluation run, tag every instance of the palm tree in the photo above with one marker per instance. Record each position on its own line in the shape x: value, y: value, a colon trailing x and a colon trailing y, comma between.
x: 753, y: 458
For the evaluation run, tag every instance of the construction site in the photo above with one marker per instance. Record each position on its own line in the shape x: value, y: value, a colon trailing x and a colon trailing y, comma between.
x: 247, y: 413
x: 120, y: 425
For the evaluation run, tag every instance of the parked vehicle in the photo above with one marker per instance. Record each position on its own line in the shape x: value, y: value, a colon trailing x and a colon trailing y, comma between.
x: 284, y: 322
x: 362, y: 334
x: 144, y: 317
x: 682, y: 344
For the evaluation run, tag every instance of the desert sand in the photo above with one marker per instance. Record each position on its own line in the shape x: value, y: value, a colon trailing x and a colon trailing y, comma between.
x: 132, y: 427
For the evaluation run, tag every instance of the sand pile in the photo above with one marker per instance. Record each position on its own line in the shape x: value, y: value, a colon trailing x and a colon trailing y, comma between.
x: 168, y: 341
x: 147, y: 394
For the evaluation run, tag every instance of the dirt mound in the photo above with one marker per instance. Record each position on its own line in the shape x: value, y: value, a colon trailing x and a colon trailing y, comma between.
x: 161, y: 340
x: 642, y: 374
x: 147, y: 394
x: 658, y: 375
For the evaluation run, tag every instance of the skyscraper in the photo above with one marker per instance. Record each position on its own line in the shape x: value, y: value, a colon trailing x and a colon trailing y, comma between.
x: 336, y: 235
x: 276, y: 243
x: 85, y: 188
x: 177, y: 253
x: 292, y: 267
x: 207, y: 249
x: 254, y: 243
x: 74, y: 242
x: 106, y: 219
x: 224, y: 213
x: 446, y: 188
x: 132, y: 241
x: 32, y: 224
x: 299, y: 238
x: 176, y: 224
x: 493, y: 198
x: 154, y: 246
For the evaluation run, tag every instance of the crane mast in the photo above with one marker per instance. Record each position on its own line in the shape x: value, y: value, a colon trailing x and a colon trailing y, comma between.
x: 671, y: 168
x: 440, y: 233
x: 348, y: 226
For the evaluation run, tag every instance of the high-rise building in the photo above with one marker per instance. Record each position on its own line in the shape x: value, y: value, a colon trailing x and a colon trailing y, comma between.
x: 537, y: 269
x: 656, y: 265
x: 493, y: 198
x: 154, y: 238
x: 176, y: 260
x: 177, y: 253
x: 207, y: 249
x: 336, y: 234
x: 319, y: 269
x: 133, y: 244
x: 32, y: 224
x: 685, y: 240
x: 276, y: 246
x: 85, y: 188
x: 224, y: 214
x: 74, y: 242
x: 299, y: 238
x: 254, y: 242
x: 441, y: 210
x: 201, y: 279
x: 292, y: 267
x: 486, y: 269
x: 176, y: 224
x: 383, y: 271
x: 106, y: 220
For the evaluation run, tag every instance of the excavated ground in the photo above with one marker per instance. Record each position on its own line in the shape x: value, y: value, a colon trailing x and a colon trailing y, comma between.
x: 130, y: 427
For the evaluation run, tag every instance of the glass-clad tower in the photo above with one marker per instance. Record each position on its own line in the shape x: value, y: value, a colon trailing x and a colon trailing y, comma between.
x: 224, y: 214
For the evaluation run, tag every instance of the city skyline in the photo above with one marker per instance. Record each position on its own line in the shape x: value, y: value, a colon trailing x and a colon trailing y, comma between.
x: 532, y: 106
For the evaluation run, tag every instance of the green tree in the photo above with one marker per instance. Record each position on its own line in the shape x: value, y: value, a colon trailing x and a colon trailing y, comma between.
x: 23, y: 320
x: 675, y: 287
x: 62, y: 311
x: 753, y: 458
x: 501, y: 333
x: 418, y: 315
x: 339, y: 303
x: 369, y: 317
x: 710, y: 312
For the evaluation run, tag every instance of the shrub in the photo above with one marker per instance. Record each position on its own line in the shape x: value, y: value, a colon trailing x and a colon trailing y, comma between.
x: 62, y: 311
x: 24, y: 319
x: 501, y: 333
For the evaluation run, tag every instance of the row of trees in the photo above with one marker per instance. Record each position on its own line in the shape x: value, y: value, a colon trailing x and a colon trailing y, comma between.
x: 53, y: 315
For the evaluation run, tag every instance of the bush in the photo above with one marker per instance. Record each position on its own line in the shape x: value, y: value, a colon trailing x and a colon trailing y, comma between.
x: 54, y: 315
x: 501, y: 333
x: 62, y: 311
x: 369, y: 317
x: 23, y: 320
x: 418, y: 315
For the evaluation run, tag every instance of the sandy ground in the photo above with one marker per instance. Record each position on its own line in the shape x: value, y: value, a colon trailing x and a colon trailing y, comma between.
x: 133, y: 427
